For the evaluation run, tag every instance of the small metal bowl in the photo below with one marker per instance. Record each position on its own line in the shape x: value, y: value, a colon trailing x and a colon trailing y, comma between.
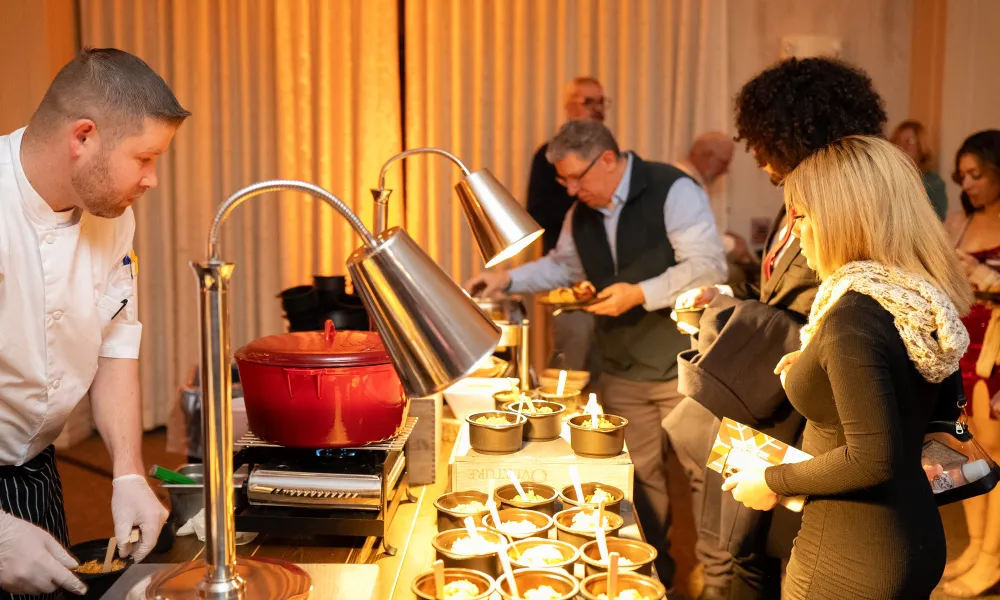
x: 570, y: 554
x: 529, y: 579
x: 541, y: 427
x: 506, y: 396
x: 639, y: 553
x: 595, y: 585
x: 541, y: 521
x: 690, y: 317
x: 423, y: 585
x: 597, y: 443
x: 506, y: 496
x: 496, y: 439
x: 449, y: 518
x: 579, y: 537
x: 571, y: 398
x: 568, y: 496
x: 484, y: 563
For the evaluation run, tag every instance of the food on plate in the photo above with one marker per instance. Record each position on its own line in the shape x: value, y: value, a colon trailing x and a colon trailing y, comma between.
x: 461, y: 589
x: 492, y: 421
x: 542, y: 593
x: 92, y: 567
x: 587, y: 521
x: 518, y: 527
x: 626, y: 595
x: 529, y: 496
x: 470, y: 507
x: 602, y: 423
x: 540, y: 556
x: 477, y: 546
x: 567, y: 295
x: 599, y: 496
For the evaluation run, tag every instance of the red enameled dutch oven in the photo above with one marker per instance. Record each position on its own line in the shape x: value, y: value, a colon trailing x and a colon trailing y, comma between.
x: 321, y: 389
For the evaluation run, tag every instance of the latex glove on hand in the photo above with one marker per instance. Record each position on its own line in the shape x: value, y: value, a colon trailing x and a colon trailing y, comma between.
x: 133, y: 504
x: 32, y: 561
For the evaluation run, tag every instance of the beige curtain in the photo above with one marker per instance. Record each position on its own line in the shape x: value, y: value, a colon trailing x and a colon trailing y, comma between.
x: 300, y: 89
x: 484, y: 79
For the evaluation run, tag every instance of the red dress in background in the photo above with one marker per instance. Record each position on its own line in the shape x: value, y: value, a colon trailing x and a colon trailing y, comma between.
x: 976, y: 322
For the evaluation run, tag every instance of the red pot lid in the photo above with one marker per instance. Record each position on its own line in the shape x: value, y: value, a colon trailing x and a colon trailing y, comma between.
x: 329, y: 348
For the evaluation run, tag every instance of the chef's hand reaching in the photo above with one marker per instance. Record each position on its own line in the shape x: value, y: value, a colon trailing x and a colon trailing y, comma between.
x: 617, y: 298
x: 785, y: 364
x: 488, y: 284
x: 133, y: 504
x: 32, y: 561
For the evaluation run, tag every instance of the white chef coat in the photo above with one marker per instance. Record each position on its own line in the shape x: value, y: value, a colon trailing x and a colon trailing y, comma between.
x: 62, y: 279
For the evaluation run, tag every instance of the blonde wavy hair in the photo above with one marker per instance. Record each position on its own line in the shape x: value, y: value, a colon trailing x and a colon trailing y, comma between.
x: 865, y: 201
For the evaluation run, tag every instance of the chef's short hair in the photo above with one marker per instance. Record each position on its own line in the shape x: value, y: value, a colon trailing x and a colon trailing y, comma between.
x: 586, y: 139
x: 115, y: 89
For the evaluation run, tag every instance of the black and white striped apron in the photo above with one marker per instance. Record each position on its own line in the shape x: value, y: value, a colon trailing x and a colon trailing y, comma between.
x: 33, y: 492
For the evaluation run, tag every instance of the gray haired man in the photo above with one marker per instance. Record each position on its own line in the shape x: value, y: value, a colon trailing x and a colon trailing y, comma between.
x: 641, y: 232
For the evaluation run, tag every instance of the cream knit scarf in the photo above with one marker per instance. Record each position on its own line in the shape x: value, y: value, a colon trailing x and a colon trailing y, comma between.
x: 918, y: 308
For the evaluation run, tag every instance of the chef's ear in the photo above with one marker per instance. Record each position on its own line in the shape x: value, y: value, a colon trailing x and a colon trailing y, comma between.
x: 83, y: 137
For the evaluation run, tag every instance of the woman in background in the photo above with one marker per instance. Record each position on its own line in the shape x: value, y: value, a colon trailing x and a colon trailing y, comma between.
x: 879, y: 360
x: 912, y: 138
x: 975, y: 232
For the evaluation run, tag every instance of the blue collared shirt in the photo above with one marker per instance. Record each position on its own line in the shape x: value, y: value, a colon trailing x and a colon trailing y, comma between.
x: 700, y: 259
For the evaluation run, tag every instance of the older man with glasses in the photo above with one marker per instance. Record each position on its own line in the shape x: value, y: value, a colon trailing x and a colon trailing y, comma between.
x: 548, y: 203
x: 641, y: 232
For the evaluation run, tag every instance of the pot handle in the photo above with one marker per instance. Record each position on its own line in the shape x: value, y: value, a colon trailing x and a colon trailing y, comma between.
x: 297, y: 372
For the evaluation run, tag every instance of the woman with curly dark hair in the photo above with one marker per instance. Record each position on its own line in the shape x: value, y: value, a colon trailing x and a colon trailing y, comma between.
x: 791, y: 110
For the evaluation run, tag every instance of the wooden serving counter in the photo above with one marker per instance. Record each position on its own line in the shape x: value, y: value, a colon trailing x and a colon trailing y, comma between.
x: 351, y: 568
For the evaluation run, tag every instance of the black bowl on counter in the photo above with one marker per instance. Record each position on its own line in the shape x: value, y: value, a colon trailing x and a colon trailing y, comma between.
x: 540, y: 426
x: 97, y: 583
x: 640, y: 554
x: 507, y: 496
x: 530, y: 579
x: 423, y: 585
x: 569, y: 500
x: 485, y: 562
x: 496, y: 439
x: 597, y: 443
x: 595, y: 585
x: 449, y: 518
x: 578, y: 537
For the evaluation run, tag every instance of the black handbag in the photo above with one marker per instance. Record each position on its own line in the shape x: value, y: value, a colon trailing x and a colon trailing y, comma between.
x: 957, y: 467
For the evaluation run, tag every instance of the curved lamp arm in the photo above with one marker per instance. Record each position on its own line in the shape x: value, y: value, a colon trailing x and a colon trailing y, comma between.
x: 281, y: 185
x: 404, y: 154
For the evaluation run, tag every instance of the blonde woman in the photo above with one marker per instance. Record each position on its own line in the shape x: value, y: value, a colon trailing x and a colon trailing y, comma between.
x: 880, y: 357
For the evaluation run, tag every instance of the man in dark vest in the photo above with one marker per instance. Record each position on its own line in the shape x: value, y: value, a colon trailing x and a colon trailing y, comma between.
x: 641, y: 232
x: 548, y: 202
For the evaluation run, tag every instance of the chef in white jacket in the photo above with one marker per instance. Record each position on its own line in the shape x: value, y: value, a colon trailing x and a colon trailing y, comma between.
x: 68, y: 313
